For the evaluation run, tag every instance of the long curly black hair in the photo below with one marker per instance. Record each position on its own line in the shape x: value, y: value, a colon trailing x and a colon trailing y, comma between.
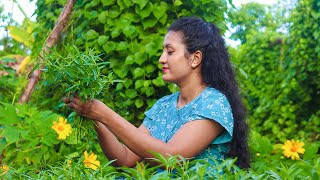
x: 217, y: 72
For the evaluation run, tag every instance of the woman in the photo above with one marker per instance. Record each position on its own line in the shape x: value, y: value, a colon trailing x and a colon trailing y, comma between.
x: 205, y: 119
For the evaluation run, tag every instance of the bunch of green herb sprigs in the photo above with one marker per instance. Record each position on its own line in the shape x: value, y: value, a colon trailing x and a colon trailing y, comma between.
x: 77, y: 72
x: 81, y: 72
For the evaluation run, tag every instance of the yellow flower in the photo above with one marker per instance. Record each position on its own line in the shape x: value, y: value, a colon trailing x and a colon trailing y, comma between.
x: 4, y: 169
x: 69, y: 163
x: 62, y: 128
x: 91, y: 161
x: 292, y: 148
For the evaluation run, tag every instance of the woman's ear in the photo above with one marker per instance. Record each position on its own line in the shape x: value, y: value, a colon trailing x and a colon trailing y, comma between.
x: 197, y: 59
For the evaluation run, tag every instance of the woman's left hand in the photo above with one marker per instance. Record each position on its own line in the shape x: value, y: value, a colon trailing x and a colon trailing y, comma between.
x: 87, y: 108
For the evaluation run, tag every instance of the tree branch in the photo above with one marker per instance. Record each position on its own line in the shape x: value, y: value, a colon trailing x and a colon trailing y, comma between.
x: 52, y: 39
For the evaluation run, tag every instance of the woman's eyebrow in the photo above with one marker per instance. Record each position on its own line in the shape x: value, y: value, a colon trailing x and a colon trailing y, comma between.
x: 167, y: 46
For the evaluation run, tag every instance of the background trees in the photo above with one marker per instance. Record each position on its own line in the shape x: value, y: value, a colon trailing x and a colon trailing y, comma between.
x: 281, y: 64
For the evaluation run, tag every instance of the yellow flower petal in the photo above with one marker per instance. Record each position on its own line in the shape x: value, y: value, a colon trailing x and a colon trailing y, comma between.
x: 91, y: 161
x: 4, y: 169
x: 291, y: 149
x: 62, y: 128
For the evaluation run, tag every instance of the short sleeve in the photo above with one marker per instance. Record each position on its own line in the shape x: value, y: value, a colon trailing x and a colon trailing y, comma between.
x: 158, y: 112
x: 215, y: 106
x: 151, y: 114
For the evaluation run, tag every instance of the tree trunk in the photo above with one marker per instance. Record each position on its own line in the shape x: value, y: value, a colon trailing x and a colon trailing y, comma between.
x: 52, y: 39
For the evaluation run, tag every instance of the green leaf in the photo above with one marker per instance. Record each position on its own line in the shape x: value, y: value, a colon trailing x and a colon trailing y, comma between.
x: 163, y: 20
x: 128, y: 3
x: 2, y: 144
x: 149, y: 23
x: 91, y: 15
x: 151, y: 49
x: 50, y: 138
x: 151, y: 102
x: 121, y: 4
x: 127, y: 83
x: 102, y: 17
x: 21, y: 35
x: 150, y: 68
x: 72, y: 155
x: 129, y: 30
x: 140, y: 57
x: 146, y: 83
x: 122, y: 46
x: 114, y: 12
x: 119, y: 87
x: 138, y: 72
x: 8, y: 114
x: 145, y: 12
x: 109, y: 46
x: 131, y: 93
x: 311, y: 151
x: 91, y: 34
x: 107, y: 2
x: 116, y: 32
x: 129, y: 60
x: 141, y: 3
x: 149, y: 91
x: 138, y: 84
x: 160, y: 9
x: 158, y: 82
x: 173, y: 88
x: 102, y: 39
x: 121, y: 72
x: 177, y: 3
x: 138, y: 103
x: 72, y: 138
x: 12, y: 134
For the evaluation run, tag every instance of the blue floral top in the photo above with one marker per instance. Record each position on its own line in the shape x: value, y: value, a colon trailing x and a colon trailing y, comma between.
x: 164, y: 119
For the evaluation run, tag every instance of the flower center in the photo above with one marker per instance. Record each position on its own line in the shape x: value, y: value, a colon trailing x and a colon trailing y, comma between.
x: 294, y: 149
x: 60, y: 128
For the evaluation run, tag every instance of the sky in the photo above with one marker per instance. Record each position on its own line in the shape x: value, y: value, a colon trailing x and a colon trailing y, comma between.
x: 29, y: 8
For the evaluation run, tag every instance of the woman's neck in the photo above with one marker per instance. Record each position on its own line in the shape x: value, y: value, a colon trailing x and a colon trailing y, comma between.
x: 189, y: 92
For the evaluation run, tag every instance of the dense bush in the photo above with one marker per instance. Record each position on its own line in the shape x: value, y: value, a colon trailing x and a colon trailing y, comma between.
x: 282, y: 87
x: 129, y: 35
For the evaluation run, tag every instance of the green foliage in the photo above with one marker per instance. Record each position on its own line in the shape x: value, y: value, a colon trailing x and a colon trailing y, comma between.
x: 179, y: 168
x: 27, y: 137
x: 281, y: 87
x: 77, y: 71
x: 31, y: 150
x: 305, y: 65
x: 129, y: 34
x: 10, y: 84
x: 249, y: 17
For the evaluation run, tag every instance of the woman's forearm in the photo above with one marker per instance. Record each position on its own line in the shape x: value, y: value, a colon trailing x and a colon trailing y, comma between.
x: 113, y: 149
x: 140, y: 143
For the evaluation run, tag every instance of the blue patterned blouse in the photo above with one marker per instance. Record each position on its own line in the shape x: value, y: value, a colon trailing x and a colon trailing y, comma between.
x: 164, y: 119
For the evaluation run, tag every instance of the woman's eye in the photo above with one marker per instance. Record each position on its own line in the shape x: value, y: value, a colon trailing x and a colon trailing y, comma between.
x: 170, y: 52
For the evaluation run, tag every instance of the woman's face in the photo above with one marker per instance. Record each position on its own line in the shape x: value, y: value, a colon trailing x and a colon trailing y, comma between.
x: 176, y: 65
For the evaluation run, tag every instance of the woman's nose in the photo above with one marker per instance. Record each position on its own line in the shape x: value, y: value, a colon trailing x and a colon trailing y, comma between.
x: 162, y: 59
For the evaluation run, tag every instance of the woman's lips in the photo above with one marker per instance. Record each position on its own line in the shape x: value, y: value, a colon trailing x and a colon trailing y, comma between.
x: 164, y: 69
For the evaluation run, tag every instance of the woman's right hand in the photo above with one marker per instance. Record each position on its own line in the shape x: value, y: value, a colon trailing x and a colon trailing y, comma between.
x: 89, y: 108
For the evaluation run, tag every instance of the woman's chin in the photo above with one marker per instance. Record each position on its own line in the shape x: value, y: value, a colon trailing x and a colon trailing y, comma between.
x: 166, y: 78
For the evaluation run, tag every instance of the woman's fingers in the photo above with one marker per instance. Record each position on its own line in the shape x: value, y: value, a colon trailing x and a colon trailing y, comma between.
x: 75, y: 107
x: 66, y: 100
x: 76, y: 100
